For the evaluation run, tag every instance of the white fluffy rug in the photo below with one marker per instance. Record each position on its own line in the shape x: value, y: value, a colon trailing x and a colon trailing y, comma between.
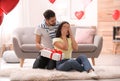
x: 28, y: 74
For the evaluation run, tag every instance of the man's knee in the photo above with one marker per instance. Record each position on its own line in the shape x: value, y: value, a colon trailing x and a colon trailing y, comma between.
x: 51, y: 64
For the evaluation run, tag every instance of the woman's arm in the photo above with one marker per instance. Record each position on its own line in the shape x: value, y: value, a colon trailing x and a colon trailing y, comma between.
x: 74, y: 44
x: 62, y: 45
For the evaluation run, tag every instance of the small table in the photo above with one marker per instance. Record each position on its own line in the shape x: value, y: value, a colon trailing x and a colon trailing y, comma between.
x: 115, y: 46
x: 4, y: 48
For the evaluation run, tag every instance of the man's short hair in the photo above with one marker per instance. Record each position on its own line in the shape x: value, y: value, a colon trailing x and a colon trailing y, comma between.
x: 48, y: 14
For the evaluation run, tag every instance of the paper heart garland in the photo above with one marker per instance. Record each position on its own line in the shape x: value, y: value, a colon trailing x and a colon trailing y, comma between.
x: 52, y: 1
x: 79, y: 14
x: 1, y: 16
x: 86, y: 2
x: 8, y: 5
x: 116, y: 14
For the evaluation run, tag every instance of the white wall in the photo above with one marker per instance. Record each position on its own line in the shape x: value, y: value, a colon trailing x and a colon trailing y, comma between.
x: 34, y: 11
x: 90, y: 17
x: 12, y: 20
x: 30, y: 13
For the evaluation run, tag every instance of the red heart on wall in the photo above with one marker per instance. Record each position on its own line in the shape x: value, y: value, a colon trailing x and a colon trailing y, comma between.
x: 79, y: 14
x: 8, y: 5
x: 1, y: 16
x: 116, y: 15
x: 52, y: 1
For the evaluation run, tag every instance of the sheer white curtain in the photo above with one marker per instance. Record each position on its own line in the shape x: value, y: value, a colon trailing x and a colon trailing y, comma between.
x: 16, y: 18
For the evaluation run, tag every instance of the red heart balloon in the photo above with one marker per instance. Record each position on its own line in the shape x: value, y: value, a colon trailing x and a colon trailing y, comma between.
x: 1, y: 16
x: 79, y: 14
x: 8, y: 5
x: 116, y: 15
x: 52, y: 1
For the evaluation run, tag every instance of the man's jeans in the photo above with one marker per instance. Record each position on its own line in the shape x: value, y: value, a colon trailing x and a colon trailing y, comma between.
x: 43, y: 62
x: 80, y: 64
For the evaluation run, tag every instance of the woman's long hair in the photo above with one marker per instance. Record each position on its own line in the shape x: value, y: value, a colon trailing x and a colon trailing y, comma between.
x: 58, y: 32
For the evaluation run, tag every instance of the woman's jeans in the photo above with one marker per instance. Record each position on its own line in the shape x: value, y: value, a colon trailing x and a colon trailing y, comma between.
x: 81, y: 63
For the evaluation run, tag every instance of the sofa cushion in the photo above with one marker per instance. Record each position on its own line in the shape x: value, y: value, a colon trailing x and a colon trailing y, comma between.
x: 29, y: 48
x: 84, y: 35
x: 86, y: 48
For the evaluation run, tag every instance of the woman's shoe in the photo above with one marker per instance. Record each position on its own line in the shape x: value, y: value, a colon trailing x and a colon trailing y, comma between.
x: 93, y: 75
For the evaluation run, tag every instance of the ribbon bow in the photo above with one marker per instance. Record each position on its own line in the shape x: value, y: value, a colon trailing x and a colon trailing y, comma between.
x: 56, y: 51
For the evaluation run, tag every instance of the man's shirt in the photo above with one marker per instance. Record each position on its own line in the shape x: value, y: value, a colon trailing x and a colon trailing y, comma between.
x: 47, y: 33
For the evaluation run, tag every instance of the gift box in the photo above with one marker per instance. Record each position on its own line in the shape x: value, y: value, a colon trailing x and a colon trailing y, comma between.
x: 52, y: 54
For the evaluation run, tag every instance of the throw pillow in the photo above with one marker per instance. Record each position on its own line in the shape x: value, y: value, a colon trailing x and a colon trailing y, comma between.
x: 10, y: 56
x: 85, y: 35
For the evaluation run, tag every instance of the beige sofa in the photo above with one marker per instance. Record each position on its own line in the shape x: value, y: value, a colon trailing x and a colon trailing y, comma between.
x: 24, y: 45
x: 90, y: 50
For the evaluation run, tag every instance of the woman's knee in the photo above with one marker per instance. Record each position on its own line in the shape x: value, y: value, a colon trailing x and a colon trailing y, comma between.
x: 71, y: 61
x: 82, y: 56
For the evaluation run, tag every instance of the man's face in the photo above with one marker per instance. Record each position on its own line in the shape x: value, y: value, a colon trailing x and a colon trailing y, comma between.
x: 51, y: 21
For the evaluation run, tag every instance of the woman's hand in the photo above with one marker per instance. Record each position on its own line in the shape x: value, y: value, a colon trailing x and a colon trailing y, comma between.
x: 70, y: 32
x: 74, y: 44
x: 64, y: 33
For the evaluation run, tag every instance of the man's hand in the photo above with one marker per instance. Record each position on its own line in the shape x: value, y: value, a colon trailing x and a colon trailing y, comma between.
x: 39, y: 46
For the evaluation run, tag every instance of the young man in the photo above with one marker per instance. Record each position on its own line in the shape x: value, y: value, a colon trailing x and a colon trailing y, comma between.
x: 45, y: 32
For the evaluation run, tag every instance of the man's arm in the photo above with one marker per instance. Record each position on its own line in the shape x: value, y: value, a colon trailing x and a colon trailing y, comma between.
x: 38, y: 42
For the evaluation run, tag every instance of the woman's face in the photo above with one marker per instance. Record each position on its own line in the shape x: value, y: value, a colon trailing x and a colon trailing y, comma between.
x: 65, y: 28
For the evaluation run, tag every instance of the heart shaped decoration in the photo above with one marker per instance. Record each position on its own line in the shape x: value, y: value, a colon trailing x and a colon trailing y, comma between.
x: 8, y: 5
x: 1, y: 16
x: 52, y: 1
x: 116, y: 15
x: 79, y: 14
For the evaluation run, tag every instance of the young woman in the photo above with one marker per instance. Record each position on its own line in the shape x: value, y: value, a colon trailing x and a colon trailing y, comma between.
x: 65, y: 42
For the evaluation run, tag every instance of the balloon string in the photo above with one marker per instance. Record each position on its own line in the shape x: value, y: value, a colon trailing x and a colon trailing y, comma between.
x: 1, y: 46
x: 115, y: 23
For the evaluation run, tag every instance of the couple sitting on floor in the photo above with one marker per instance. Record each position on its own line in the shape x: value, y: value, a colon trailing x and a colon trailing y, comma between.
x: 59, y: 35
